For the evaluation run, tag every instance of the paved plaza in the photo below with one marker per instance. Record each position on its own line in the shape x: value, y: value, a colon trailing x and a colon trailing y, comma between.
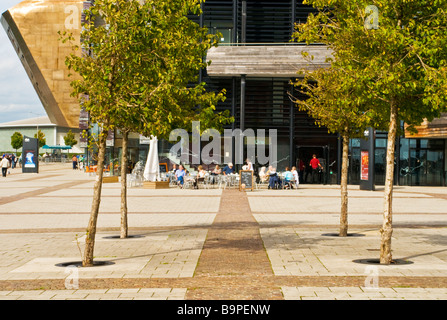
x: 216, y: 244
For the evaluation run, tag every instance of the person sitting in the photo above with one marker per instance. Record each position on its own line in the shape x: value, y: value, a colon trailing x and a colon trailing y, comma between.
x: 179, y: 175
x: 215, y: 173
x: 274, y: 181
x: 217, y: 170
x: 228, y: 169
x: 263, y: 177
x: 200, y: 176
x: 288, y: 178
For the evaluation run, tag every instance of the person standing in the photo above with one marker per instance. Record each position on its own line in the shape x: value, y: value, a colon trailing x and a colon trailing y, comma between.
x: 249, y: 165
x: 75, y: 162
x: 296, y: 177
x: 315, y: 164
x: 5, y: 165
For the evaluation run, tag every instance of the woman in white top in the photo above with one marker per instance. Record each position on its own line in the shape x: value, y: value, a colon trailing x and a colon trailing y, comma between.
x: 249, y: 165
x: 263, y: 175
x: 200, y: 176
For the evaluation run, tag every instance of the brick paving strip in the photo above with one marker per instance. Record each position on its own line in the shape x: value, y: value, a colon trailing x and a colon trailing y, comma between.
x: 233, y: 249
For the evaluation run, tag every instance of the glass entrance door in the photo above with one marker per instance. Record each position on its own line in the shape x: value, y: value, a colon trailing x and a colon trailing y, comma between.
x: 304, y: 155
x: 425, y: 168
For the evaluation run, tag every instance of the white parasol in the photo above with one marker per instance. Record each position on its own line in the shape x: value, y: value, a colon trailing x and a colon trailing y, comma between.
x: 152, y: 168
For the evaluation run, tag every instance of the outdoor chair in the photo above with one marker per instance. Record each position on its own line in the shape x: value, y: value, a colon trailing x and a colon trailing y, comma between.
x: 224, y: 181
x: 201, y: 182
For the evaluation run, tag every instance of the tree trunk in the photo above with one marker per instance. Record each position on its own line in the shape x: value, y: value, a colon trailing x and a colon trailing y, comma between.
x: 344, y: 188
x: 91, y: 229
x: 387, y: 229
x: 123, y: 233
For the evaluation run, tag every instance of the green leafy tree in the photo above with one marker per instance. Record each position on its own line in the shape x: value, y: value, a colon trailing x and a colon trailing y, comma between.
x: 69, y: 139
x: 135, y: 74
x: 328, y: 99
x: 160, y: 91
x: 17, y: 140
x: 41, y: 136
x: 398, y: 49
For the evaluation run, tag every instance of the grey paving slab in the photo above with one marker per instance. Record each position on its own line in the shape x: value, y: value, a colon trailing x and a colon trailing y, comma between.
x: 295, y: 251
x: 76, y: 221
x: 357, y: 293
x: 355, y: 205
x: 107, y: 294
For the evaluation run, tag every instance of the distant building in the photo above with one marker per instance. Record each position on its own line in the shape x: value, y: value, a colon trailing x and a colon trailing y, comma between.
x: 54, y: 134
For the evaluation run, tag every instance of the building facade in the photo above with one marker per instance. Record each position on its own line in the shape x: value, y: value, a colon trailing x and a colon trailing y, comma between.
x: 54, y: 134
x: 254, y: 63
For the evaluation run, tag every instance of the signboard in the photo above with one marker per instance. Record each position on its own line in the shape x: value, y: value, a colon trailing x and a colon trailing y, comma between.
x: 163, y: 167
x: 145, y: 140
x: 364, y: 169
x: 30, y: 155
x: 245, y: 180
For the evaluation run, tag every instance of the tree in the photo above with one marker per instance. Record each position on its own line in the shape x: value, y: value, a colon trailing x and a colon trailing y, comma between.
x: 329, y: 101
x: 17, y: 140
x: 136, y: 73
x: 398, y: 50
x: 161, y: 92
x: 69, y: 139
x: 41, y: 136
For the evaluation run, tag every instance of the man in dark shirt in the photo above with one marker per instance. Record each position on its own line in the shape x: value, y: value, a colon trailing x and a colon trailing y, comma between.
x: 315, y: 164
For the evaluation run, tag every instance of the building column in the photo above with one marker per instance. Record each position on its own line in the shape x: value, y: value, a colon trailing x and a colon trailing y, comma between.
x: 244, y: 22
x: 291, y: 131
x: 242, y: 111
x: 234, y: 33
x: 293, y: 17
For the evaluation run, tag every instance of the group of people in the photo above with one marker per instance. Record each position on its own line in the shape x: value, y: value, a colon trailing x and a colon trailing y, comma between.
x: 8, y: 161
x: 180, y: 173
x: 78, y: 162
x: 290, y: 178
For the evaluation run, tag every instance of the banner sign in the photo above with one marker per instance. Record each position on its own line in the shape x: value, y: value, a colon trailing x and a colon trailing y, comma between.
x: 364, y: 165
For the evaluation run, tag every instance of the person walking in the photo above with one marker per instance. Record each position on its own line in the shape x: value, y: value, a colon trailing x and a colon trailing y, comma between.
x: 315, y: 164
x: 5, y: 165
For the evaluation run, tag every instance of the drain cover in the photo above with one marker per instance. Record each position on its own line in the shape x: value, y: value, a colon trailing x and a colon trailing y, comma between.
x: 79, y: 263
x: 337, y: 235
x: 377, y: 261
x: 128, y: 237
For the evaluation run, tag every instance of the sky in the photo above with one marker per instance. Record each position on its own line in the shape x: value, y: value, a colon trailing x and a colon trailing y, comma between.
x: 18, y: 99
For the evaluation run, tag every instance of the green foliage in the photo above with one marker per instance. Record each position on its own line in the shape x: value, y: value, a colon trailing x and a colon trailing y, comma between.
x: 139, y: 66
x: 42, y: 140
x: 69, y: 139
x: 402, y: 62
x: 17, y: 140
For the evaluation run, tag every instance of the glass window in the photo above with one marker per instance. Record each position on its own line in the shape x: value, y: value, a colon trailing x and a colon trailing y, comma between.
x: 381, y: 143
